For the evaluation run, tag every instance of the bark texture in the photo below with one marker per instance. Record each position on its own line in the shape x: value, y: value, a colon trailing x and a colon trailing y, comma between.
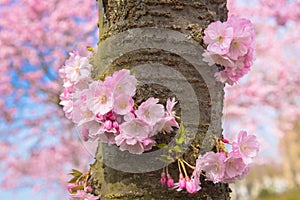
x: 185, y: 17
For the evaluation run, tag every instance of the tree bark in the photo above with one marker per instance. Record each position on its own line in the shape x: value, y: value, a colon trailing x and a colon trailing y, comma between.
x: 151, y: 36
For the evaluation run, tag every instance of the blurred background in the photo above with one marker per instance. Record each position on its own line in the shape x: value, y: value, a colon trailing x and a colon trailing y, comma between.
x: 38, y: 146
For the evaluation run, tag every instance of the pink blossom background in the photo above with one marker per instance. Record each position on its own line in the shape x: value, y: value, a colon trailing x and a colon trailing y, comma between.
x: 38, y: 146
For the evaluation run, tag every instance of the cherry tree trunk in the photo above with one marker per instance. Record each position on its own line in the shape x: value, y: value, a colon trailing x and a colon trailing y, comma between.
x: 161, y: 40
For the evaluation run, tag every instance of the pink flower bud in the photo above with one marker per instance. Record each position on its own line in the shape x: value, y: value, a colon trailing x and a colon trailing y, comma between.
x: 225, y: 141
x: 88, y: 188
x: 163, y: 178
x: 170, y: 181
x: 182, y: 181
x: 116, y: 125
x: 108, y: 124
x: 191, y: 186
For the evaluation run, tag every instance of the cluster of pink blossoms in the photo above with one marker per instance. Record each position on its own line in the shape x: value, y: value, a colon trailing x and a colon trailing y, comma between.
x: 230, y: 44
x: 105, y: 109
x: 222, y: 166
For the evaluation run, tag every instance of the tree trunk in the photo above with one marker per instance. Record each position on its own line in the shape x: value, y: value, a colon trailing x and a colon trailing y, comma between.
x: 162, y: 41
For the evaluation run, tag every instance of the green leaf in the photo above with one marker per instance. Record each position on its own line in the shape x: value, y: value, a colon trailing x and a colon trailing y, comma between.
x: 73, y: 180
x: 162, y: 145
x: 180, y: 136
x: 79, y: 187
x: 178, y: 149
x: 75, y: 172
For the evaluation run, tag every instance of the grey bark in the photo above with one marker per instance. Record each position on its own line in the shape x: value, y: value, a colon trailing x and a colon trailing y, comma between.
x: 149, y: 18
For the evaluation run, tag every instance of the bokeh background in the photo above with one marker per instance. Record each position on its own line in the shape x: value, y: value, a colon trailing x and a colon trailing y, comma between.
x: 39, y: 147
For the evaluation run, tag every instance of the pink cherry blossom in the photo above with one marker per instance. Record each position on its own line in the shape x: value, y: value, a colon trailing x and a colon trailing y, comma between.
x: 81, y: 112
x: 231, y: 75
x: 107, y: 137
x: 243, y: 37
x: 122, y: 82
x: 77, y: 68
x: 246, y: 146
x: 245, y: 172
x: 148, y: 144
x: 135, y: 128
x: 169, y: 123
x: 100, y: 99
x: 159, y: 126
x: 213, y: 58
x: 150, y: 111
x: 170, y: 105
x: 234, y: 166
x: 132, y: 134
x: 192, y: 185
x: 214, y: 166
x: 218, y: 36
x: 238, y: 57
x: 123, y: 104
x: 93, y: 129
x: 67, y: 103
x: 131, y: 145
x: 128, y: 117
x: 104, y: 110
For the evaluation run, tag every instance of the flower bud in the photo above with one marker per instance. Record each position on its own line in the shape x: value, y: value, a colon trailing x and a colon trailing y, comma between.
x: 225, y: 141
x: 170, y: 181
x: 182, y: 181
x: 108, y: 124
x: 163, y: 178
x: 116, y: 125
x: 191, y: 186
x: 88, y: 188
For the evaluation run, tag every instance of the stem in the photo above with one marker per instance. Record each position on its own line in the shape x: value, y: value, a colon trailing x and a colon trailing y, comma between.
x: 86, y: 179
x: 183, y: 167
x: 178, y: 162
x: 192, y: 167
x: 195, y: 148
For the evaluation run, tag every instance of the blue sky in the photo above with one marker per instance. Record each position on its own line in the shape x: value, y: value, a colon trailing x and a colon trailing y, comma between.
x: 26, y: 193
